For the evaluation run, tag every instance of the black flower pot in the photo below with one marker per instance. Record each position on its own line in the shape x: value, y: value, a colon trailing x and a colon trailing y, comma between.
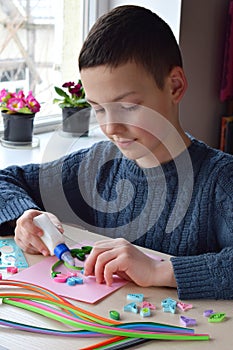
x: 18, y: 127
x: 75, y: 120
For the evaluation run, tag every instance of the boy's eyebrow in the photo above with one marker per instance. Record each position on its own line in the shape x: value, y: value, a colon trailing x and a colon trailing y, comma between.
x: 117, y: 98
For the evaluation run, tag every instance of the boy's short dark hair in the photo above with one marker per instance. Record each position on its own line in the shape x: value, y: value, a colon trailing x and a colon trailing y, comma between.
x: 132, y: 33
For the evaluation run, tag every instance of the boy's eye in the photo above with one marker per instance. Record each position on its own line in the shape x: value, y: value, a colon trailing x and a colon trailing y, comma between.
x: 99, y: 110
x: 129, y: 107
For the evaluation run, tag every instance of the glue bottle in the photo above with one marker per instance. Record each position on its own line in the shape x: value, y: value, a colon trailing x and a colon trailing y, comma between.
x: 53, y: 239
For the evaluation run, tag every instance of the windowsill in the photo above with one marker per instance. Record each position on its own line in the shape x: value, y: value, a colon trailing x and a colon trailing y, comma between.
x: 46, y: 124
x: 52, y: 145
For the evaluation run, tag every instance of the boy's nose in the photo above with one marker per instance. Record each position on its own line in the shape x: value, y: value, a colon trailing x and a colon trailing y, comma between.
x: 112, y: 128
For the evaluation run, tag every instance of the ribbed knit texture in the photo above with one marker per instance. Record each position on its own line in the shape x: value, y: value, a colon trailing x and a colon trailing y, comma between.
x: 109, y: 194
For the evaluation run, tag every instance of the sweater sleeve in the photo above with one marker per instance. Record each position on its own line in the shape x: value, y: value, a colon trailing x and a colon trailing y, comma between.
x: 19, y: 192
x: 36, y: 186
x: 210, y: 275
x: 206, y: 276
x: 51, y: 186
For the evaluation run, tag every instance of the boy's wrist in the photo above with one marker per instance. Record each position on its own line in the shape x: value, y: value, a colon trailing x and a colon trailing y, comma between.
x: 163, y: 275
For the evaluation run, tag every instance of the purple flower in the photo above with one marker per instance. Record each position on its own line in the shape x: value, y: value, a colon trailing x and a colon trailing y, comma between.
x: 19, y: 95
x: 4, y: 95
x: 76, y: 90
x: 69, y: 84
x: 32, y: 104
x: 78, y: 86
x: 74, y: 97
x: 15, y: 104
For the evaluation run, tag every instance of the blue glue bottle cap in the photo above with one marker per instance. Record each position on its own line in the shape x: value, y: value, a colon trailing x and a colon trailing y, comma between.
x: 62, y: 252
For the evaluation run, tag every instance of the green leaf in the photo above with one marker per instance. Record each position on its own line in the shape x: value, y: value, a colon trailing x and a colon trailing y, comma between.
x: 57, y: 100
x: 25, y: 110
x: 62, y: 105
x: 81, y: 100
x: 60, y: 92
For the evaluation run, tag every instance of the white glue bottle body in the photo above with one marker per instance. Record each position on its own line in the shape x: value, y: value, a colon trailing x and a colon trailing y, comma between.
x: 53, y: 239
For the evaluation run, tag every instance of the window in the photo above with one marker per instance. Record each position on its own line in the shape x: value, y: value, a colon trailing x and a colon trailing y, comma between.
x: 39, y: 45
x: 40, y: 41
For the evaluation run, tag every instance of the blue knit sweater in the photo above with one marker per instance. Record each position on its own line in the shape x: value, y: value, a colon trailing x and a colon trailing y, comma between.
x: 187, y: 214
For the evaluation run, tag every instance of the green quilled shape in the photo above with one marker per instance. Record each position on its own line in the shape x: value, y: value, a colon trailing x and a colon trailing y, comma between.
x: 79, y: 253
x: 114, y: 314
x: 216, y: 317
x: 86, y: 249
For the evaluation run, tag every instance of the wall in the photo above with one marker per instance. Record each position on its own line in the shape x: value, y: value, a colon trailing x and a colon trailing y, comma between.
x: 169, y: 10
x: 202, y: 35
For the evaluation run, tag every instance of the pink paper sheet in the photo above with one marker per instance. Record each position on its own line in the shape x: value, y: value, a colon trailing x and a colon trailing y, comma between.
x: 88, y: 292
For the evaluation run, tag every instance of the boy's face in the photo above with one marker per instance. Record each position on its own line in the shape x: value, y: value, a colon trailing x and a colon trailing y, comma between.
x: 132, y: 111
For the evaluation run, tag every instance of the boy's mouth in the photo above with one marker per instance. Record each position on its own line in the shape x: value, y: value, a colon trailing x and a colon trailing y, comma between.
x: 124, y: 143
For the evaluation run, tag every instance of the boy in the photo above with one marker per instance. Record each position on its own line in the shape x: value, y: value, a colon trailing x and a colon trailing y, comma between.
x: 151, y: 184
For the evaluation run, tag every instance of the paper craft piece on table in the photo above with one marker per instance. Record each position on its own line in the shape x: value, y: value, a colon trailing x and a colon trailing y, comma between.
x: 11, y: 255
x: 88, y: 292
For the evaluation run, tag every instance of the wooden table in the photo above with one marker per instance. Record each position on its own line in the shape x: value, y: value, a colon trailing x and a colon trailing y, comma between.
x: 220, y: 333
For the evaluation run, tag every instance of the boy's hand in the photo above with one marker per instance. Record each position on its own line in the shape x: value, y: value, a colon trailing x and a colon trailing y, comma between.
x: 27, y: 234
x: 118, y: 256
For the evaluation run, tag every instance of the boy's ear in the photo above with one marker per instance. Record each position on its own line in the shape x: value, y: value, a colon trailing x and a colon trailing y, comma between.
x: 178, y: 84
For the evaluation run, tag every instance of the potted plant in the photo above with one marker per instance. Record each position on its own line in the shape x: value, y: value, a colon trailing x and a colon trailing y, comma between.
x: 75, y: 108
x: 18, y: 112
